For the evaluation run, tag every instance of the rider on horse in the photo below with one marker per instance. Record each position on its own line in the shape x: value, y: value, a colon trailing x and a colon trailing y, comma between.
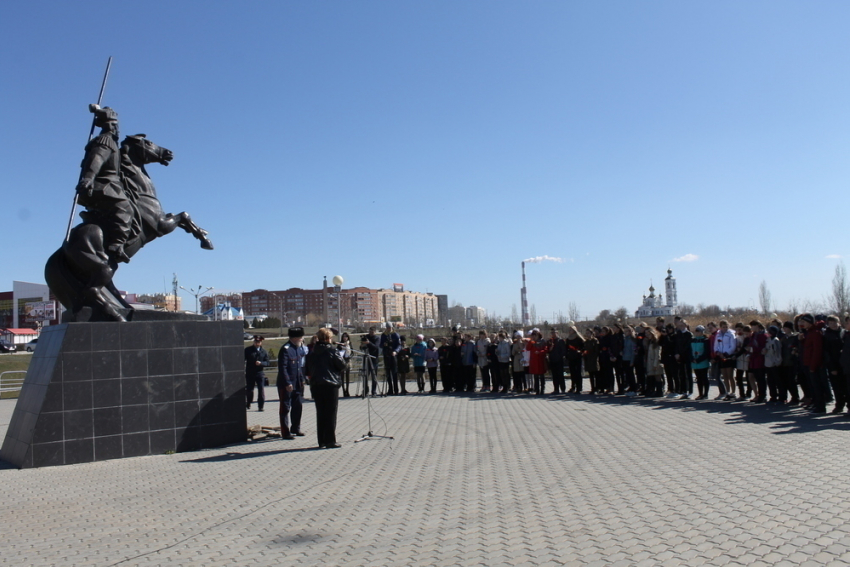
x: 101, y: 188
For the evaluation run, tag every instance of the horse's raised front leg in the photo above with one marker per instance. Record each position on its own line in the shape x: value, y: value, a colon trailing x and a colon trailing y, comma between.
x: 185, y: 222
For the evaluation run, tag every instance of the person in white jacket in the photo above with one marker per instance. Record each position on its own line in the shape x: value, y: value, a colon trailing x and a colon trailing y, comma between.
x: 503, y: 374
x: 483, y: 364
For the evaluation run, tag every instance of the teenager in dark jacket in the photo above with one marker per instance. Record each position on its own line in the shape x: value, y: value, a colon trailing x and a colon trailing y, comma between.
x: 833, y: 343
x: 606, y: 362
x: 591, y: 359
x: 844, y: 360
x: 684, y: 359
x: 617, y: 340
x: 667, y: 342
x: 640, y: 358
x: 458, y: 376
x: 812, y: 342
x: 628, y: 361
x: 557, y: 361
x: 444, y: 357
x: 574, y: 347
x: 788, y: 368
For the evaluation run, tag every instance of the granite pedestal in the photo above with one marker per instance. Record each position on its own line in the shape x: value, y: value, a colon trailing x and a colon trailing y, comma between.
x: 97, y: 391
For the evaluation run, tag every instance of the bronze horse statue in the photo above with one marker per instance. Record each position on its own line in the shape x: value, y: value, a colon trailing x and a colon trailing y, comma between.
x: 80, y: 273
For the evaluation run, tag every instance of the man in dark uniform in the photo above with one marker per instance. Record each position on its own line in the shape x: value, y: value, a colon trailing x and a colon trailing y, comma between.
x: 390, y: 346
x: 100, y: 188
x: 290, y: 383
x: 256, y: 359
x: 373, y: 349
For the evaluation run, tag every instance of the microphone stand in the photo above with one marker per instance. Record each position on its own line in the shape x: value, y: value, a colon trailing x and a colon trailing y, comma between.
x: 367, y: 359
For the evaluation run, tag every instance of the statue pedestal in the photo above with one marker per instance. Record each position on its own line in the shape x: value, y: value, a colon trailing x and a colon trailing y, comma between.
x: 97, y: 391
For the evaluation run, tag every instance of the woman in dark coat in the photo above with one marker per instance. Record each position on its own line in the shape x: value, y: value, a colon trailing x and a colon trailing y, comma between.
x: 575, y: 346
x: 607, y: 358
x: 324, y: 367
x: 591, y: 359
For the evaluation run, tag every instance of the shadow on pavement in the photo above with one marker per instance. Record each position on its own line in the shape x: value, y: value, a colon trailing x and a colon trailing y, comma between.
x: 237, y: 456
x: 782, y: 420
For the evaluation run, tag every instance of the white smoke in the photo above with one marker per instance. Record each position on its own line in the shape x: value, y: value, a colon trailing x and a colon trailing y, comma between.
x: 538, y: 259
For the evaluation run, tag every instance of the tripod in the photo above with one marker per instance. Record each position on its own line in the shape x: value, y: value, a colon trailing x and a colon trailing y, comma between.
x: 367, y: 370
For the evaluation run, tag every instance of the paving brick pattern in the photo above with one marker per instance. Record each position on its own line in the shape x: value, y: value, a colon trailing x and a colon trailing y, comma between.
x: 468, y: 480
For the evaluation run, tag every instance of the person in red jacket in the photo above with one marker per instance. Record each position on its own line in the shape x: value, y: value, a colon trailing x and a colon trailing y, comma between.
x: 758, y: 342
x: 537, y: 362
x: 812, y: 340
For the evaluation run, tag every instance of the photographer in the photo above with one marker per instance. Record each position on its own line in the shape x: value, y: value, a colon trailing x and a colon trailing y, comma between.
x: 344, y: 346
x: 370, y: 344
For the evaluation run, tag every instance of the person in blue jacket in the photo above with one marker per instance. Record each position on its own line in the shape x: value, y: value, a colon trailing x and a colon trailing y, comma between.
x: 417, y: 353
x: 700, y: 355
x: 290, y: 383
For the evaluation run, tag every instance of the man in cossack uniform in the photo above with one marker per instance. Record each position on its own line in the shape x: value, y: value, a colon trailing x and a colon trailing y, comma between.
x: 290, y: 383
x: 256, y: 360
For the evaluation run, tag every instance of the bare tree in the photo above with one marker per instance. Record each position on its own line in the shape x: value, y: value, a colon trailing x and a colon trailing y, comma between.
x: 532, y: 314
x: 621, y: 314
x: 793, y: 306
x: 709, y: 310
x: 839, y: 300
x: 764, y: 298
x: 686, y: 310
x: 514, y: 314
x: 572, y: 312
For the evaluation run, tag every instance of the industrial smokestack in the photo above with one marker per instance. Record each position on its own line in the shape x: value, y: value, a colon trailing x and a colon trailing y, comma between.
x: 526, y: 320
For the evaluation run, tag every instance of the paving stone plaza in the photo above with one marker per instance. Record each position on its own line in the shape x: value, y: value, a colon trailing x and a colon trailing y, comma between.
x: 468, y: 480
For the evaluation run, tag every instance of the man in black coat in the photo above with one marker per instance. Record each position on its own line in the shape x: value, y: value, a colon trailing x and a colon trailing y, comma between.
x: 256, y: 359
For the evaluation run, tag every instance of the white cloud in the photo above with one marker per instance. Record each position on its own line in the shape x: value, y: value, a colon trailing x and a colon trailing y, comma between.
x: 687, y: 258
x: 833, y: 256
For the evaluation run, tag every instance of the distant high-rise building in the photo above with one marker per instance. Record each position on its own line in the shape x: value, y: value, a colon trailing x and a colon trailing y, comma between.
x: 475, y: 315
x: 359, y: 305
x: 442, y: 310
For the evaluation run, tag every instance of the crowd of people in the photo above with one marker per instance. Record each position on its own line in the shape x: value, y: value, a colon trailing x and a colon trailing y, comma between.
x: 801, y: 362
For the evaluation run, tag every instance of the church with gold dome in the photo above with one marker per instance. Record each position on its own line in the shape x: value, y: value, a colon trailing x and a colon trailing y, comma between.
x: 655, y: 306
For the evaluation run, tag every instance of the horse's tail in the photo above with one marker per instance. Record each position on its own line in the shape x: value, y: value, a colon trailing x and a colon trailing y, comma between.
x: 77, y: 274
x: 62, y: 283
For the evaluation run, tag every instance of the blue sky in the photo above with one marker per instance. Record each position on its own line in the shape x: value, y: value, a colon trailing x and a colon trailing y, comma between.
x: 438, y: 144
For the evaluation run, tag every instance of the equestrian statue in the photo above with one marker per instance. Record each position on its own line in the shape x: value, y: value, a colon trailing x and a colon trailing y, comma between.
x: 122, y: 214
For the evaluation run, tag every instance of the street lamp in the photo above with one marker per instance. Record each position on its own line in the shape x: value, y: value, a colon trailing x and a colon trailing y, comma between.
x: 338, y: 281
x: 197, y: 293
x: 282, y: 312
